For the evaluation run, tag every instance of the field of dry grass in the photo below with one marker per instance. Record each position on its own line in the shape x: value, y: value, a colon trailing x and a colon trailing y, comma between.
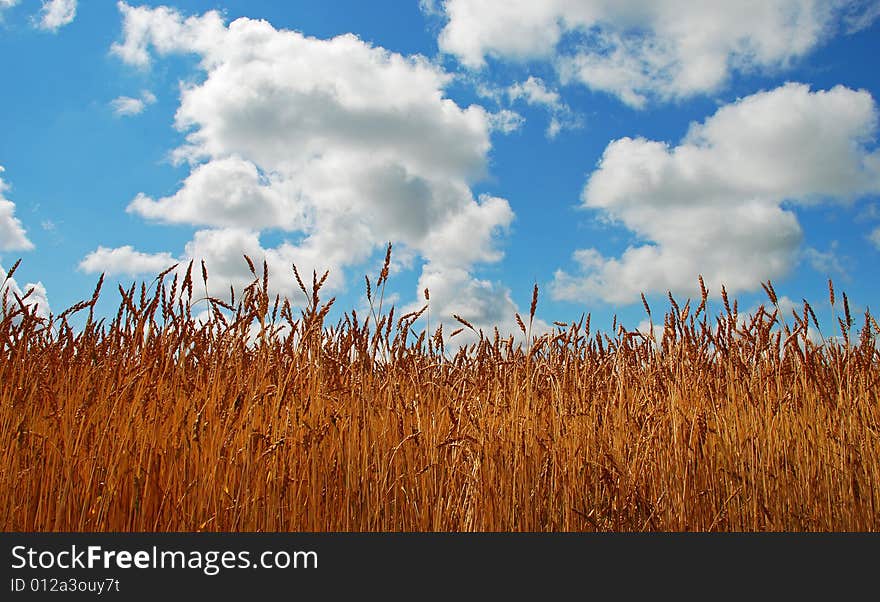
x: 263, y: 417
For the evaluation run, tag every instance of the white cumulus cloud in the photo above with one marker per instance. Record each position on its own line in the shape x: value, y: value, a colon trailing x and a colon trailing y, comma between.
x: 533, y: 91
x: 125, y: 260
x: 14, y: 238
x: 483, y: 303
x: 506, y: 121
x: 32, y: 295
x: 12, y: 234
x: 55, y: 14
x: 124, y: 106
x: 720, y: 202
x: 339, y: 145
x: 636, y: 51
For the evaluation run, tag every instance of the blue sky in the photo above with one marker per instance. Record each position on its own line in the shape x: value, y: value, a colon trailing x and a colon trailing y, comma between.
x: 597, y: 149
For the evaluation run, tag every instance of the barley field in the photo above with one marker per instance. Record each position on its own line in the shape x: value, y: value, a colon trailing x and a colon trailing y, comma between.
x: 249, y: 413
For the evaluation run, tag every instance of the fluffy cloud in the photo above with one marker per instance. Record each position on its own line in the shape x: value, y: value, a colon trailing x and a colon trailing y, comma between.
x: 533, y: 91
x: 13, y: 238
x: 227, y: 192
x: 483, y: 303
x: 125, y: 260
x: 719, y: 204
x: 33, y: 295
x: 639, y: 50
x: 55, y: 14
x: 124, y: 106
x: 506, y: 121
x: 12, y: 234
x: 341, y: 145
x: 874, y: 237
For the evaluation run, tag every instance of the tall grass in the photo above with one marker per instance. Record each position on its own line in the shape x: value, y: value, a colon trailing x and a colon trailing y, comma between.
x: 260, y: 417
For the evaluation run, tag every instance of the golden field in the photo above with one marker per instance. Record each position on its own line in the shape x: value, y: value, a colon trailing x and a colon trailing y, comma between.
x: 257, y: 416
